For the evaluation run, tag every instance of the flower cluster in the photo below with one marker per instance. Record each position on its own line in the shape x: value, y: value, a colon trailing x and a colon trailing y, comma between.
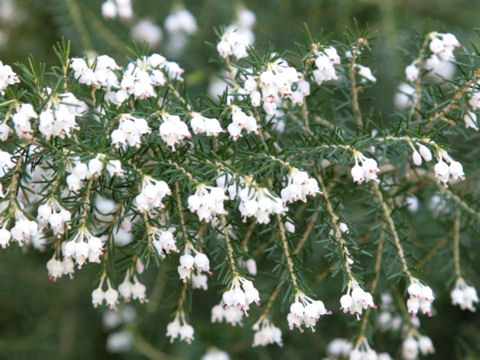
x: 232, y: 315
x: 7, y: 77
x: 422, y: 153
x: 83, y: 246
x: 57, y: 268
x: 260, y: 203
x: 139, y: 79
x: 266, y: 333
x: 181, y: 21
x: 207, y: 202
x: 180, y: 328
x: 356, y: 300
x: 132, y: 290
x: 59, y: 116
x: 121, y: 8
x: 299, y: 186
x: 365, y: 169
x: 21, y: 121
x: 6, y: 164
x: 129, y: 131
x: 414, y: 344
x: 464, y: 295
x: 446, y: 167
x: 100, y: 74
x: 53, y: 214
x: 325, y: 61
x: 279, y: 81
x: 442, y: 45
x: 365, y: 73
x: 147, y: 31
x: 198, y: 263
x: 241, y: 121
x: 470, y: 117
x: 110, y: 296
x: 163, y: 241
x: 233, y: 43
x: 203, y: 125
x: 339, y: 347
x: 421, y: 298
x: 240, y: 295
x: 363, y: 351
x: 24, y: 231
x: 173, y: 130
x: 142, y: 76
x: 305, y: 311
x: 152, y: 194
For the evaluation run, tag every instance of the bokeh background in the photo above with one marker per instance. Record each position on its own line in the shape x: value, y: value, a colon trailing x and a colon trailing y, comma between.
x: 43, y: 320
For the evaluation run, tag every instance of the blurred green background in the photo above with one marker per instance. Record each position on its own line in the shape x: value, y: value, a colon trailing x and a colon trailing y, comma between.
x: 43, y: 320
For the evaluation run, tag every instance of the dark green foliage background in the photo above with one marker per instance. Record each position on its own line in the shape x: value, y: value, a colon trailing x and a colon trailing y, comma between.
x: 42, y: 320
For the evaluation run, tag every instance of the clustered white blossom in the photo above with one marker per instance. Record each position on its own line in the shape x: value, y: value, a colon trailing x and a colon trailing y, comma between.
x: 277, y: 82
x: 139, y: 79
x: 388, y: 320
x: 325, y: 61
x: 57, y: 268
x: 163, y: 241
x: 299, y: 186
x: 6, y: 164
x: 421, y: 298
x: 356, y: 300
x: 192, y: 265
x: 365, y: 169
x: 121, y: 8
x: 99, y: 74
x: 147, y: 31
x: 83, y: 246
x: 110, y: 296
x: 59, y: 116
x: 207, y: 202
x: 181, y: 21
x: 266, y: 333
x: 470, y: 117
x: 422, y: 153
x: 446, y: 167
x: 240, y: 295
x: 233, y: 43
x: 232, y: 315
x: 442, y: 45
x: 339, y: 347
x: 24, y: 231
x: 260, y: 203
x: 241, y: 121
x: 204, y: 125
x: 152, y: 193
x: 415, y: 344
x: 132, y: 290
x: 250, y: 265
x: 255, y: 201
x: 363, y: 351
x: 464, y: 295
x: 179, y: 328
x: 7, y: 77
x: 180, y: 24
x: 130, y: 131
x: 21, y: 121
x: 365, y: 73
x: 305, y: 311
x: 173, y: 130
x: 215, y: 354
x: 53, y: 214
